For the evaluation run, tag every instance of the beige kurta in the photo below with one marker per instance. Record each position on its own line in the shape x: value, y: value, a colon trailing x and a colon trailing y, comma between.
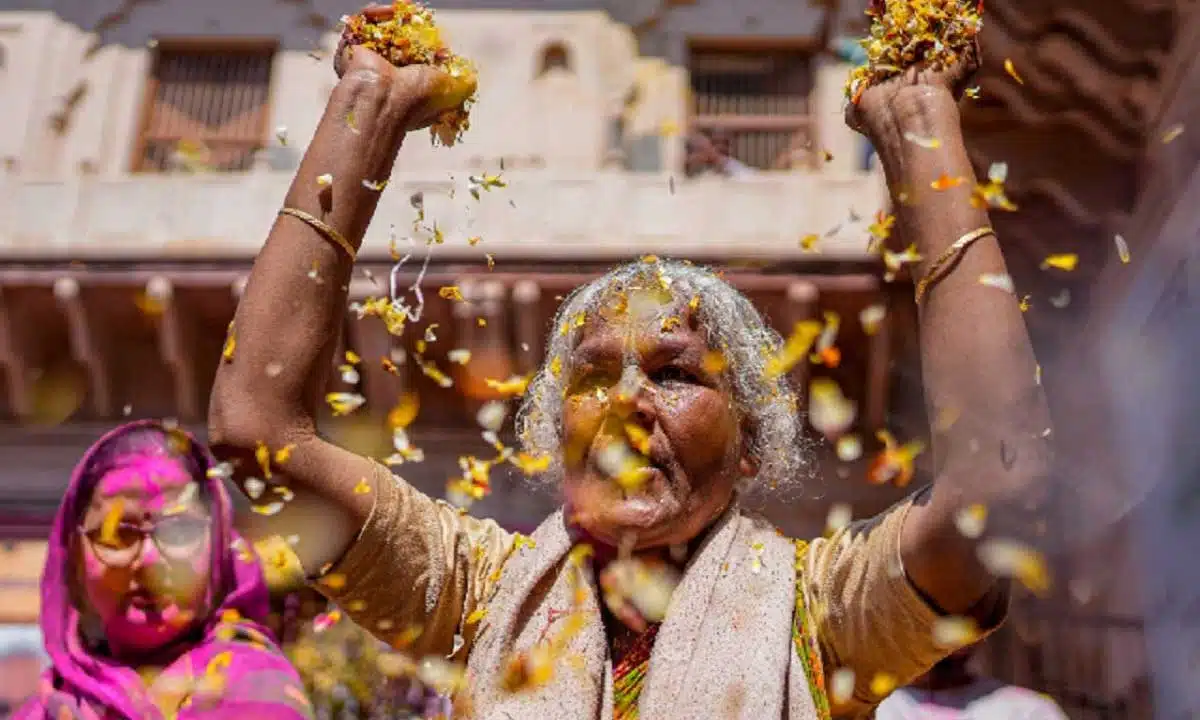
x: 420, y: 563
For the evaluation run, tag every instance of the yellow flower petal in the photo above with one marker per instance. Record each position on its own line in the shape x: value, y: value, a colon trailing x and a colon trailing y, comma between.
x: 1012, y: 70
x: 1064, y: 261
x: 451, y: 292
x: 1122, y: 249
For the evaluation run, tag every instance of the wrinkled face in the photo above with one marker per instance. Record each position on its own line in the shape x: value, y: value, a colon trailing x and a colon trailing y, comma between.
x: 644, y: 397
x: 145, y: 554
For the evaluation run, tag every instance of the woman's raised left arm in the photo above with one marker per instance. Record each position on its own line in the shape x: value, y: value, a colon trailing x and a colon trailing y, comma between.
x: 978, y: 365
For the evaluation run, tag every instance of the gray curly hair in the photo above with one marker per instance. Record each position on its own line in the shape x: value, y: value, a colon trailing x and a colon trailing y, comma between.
x: 732, y: 325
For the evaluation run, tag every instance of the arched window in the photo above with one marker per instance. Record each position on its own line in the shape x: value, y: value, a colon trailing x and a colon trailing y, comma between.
x: 555, y: 56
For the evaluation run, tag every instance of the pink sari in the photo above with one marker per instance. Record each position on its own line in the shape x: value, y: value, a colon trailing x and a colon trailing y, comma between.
x: 247, y: 675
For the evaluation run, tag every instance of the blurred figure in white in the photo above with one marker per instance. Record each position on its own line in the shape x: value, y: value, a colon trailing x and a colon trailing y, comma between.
x: 952, y: 691
x: 22, y: 660
x: 709, y: 153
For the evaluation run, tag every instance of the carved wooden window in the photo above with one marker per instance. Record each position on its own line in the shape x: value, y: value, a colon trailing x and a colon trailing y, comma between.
x: 759, y: 99
x: 207, y: 106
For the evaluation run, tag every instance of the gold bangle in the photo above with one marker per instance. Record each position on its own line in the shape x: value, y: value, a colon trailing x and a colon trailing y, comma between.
x: 325, y: 229
x: 948, y: 257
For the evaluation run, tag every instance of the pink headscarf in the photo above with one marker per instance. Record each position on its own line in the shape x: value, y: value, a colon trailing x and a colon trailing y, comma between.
x: 82, y: 684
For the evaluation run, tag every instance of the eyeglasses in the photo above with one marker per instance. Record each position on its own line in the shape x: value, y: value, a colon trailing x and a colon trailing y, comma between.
x: 177, y: 538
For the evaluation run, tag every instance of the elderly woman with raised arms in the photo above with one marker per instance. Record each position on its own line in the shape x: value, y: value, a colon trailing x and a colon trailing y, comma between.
x: 757, y: 625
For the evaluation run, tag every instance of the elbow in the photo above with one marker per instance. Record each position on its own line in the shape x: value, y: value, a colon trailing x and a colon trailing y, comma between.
x: 239, y: 420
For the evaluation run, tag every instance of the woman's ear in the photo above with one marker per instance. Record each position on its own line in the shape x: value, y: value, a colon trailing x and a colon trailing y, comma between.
x: 747, y: 463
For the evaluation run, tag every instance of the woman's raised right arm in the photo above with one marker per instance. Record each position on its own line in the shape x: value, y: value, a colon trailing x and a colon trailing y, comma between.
x: 393, y: 548
x: 287, y: 323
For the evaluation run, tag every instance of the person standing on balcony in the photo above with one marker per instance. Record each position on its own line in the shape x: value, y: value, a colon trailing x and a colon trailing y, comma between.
x: 952, y: 691
x: 650, y: 444
x: 710, y: 153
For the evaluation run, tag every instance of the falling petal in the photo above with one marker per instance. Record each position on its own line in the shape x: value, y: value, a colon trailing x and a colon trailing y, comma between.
x: 841, y: 686
x: 882, y: 684
x: 281, y: 134
x: 324, y: 621
x: 1064, y: 261
x: 112, y: 520
x: 849, y: 448
x: 794, y: 349
x: 514, y: 386
x: 531, y: 464
x: 955, y: 632
x: 808, y: 243
x: 639, y: 591
x: 971, y: 521
x: 254, y: 488
x: 1010, y: 558
x: 945, y: 182
x: 881, y: 229
x: 376, y: 185
x: 714, y: 362
x: 872, y: 318
x: 895, y: 463
x: 1012, y: 71
x: 998, y: 172
x: 1000, y: 281
x: 831, y: 413
x: 362, y: 487
x: 269, y: 509
x: 459, y: 356
x: 894, y: 262
x: 840, y: 516
x: 1122, y: 249
x: 334, y: 581
x: 344, y: 403
x: 1062, y: 299
x: 325, y: 180
x: 451, y: 292
x: 431, y: 371
x: 1173, y: 132
x: 492, y: 415
x: 405, y: 411
x: 928, y: 142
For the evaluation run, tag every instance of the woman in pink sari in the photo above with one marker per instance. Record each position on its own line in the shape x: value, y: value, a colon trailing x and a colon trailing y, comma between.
x: 152, y: 606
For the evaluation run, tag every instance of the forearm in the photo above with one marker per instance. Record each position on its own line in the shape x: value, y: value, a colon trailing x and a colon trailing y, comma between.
x: 977, y: 362
x: 990, y: 421
x: 288, y: 321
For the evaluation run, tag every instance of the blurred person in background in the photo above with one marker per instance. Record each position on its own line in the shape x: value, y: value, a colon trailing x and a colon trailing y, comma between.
x: 709, y: 153
x: 651, y: 592
x: 22, y: 661
x: 151, y: 607
x: 952, y: 691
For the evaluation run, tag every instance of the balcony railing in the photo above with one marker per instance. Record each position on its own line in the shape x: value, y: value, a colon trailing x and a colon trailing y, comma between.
x: 541, y: 213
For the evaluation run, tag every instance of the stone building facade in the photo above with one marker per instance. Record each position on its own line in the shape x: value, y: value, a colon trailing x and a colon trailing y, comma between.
x: 145, y: 145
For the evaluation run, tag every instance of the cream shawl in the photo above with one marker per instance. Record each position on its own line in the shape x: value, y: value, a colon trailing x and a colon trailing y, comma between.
x: 725, y: 649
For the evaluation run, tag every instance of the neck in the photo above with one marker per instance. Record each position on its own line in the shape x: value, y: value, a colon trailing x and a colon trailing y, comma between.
x: 947, y: 678
x: 134, y: 656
